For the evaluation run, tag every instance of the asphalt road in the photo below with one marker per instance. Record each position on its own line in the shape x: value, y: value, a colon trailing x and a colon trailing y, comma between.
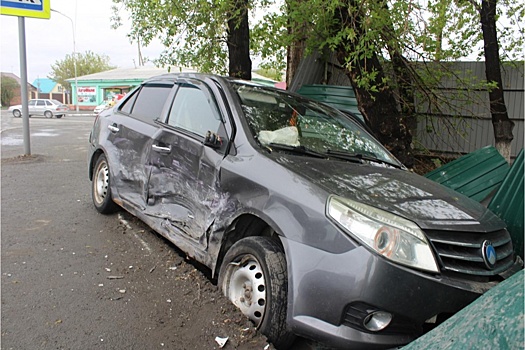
x: 75, y: 279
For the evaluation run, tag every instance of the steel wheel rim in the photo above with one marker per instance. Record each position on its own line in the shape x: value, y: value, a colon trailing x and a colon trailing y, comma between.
x: 101, y: 183
x: 247, y: 288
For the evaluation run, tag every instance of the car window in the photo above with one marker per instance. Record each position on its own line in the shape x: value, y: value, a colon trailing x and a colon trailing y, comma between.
x: 194, y: 110
x: 150, y: 101
x: 127, y: 105
x: 32, y: 103
x: 48, y: 103
x: 279, y: 117
x: 40, y: 103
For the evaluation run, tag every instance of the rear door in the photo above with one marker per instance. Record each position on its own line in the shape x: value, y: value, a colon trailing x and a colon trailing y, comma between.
x: 183, y: 191
x: 132, y: 128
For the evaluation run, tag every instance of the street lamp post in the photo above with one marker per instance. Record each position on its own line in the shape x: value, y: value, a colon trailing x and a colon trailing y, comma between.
x: 74, y: 57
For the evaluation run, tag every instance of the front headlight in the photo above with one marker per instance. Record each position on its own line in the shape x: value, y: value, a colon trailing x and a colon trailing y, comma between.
x: 393, y: 237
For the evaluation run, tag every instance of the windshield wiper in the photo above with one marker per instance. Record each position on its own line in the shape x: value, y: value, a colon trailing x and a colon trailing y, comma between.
x: 360, y: 157
x: 295, y: 149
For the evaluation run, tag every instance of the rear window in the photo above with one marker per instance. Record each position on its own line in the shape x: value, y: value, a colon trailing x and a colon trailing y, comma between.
x: 149, y: 101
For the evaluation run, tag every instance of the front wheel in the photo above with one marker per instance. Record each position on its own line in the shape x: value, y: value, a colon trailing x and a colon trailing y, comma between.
x: 100, y: 187
x: 17, y: 113
x: 253, y: 276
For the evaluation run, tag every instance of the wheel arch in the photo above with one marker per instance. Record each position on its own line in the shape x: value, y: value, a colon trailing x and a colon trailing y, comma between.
x: 93, y: 161
x: 246, y: 225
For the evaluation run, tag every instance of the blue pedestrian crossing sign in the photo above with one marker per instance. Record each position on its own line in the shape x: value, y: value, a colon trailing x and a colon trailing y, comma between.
x: 26, y: 8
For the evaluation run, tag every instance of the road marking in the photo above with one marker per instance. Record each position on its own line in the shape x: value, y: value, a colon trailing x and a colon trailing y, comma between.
x: 128, y: 226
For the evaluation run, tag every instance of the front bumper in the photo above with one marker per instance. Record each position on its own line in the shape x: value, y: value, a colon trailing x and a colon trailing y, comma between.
x: 323, y: 286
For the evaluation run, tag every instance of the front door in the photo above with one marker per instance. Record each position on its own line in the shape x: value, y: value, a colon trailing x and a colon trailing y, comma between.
x: 183, y: 192
x: 38, y: 108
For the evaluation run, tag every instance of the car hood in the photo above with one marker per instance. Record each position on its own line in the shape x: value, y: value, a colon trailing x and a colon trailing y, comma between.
x: 414, y: 197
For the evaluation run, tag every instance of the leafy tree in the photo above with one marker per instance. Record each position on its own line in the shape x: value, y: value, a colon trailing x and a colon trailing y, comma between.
x: 213, y: 36
x: 86, y: 63
x: 8, y: 88
x: 382, y: 46
x: 501, y: 40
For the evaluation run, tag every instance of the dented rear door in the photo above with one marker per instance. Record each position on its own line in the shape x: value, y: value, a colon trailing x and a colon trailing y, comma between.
x: 129, y: 140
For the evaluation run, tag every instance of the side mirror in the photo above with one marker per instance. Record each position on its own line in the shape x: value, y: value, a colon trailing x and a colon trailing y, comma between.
x: 212, y: 140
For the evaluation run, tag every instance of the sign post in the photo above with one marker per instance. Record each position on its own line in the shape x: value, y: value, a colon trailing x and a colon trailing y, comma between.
x: 26, y: 8
x: 22, y: 9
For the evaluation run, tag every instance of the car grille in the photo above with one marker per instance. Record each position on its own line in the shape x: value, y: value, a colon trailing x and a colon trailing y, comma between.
x: 460, y: 252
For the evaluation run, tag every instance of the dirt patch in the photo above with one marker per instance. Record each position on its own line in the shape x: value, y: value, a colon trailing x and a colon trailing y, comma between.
x: 189, y: 303
x: 31, y: 158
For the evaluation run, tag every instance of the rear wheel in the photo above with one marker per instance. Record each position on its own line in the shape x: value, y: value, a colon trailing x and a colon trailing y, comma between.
x: 48, y: 114
x: 100, y: 187
x: 17, y: 113
x: 253, y: 276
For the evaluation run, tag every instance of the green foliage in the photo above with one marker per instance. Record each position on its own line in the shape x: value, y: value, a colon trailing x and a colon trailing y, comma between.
x: 271, y: 73
x: 437, y: 162
x: 86, y: 63
x: 433, y: 30
x: 192, y: 32
x: 7, y: 89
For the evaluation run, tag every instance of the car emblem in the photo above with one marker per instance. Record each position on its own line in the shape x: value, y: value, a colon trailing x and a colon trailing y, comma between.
x: 489, y: 254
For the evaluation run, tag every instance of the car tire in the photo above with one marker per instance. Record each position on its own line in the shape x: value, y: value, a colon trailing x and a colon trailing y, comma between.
x: 253, y: 276
x: 100, y: 187
x: 48, y: 114
x: 17, y: 113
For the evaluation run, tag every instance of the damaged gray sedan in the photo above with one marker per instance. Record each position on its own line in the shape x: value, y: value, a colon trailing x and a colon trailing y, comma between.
x: 310, y: 226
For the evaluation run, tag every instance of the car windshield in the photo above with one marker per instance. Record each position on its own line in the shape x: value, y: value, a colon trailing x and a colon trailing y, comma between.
x: 56, y: 102
x: 285, y: 122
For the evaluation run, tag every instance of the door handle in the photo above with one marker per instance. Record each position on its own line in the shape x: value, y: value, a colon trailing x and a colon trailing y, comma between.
x: 161, y: 149
x: 113, y: 128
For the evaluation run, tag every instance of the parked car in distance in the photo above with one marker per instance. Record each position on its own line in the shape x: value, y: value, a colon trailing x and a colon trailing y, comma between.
x: 308, y: 224
x: 40, y: 106
x: 104, y: 105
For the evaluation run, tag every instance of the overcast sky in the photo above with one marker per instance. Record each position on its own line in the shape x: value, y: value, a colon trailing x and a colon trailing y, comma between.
x: 50, y: 40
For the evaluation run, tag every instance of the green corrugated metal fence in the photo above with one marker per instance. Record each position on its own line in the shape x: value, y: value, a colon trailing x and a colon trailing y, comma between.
x: 507, y: 203
x: 479, y: 175
x: 340, y: 97
x: 476, y: 175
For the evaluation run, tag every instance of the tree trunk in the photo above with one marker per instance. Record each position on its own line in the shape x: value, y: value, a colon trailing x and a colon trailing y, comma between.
x: 295, y: 51
x: 293, y: 58
x: 380, y: 109
x: 239, y: 42
x: 500, y: 119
